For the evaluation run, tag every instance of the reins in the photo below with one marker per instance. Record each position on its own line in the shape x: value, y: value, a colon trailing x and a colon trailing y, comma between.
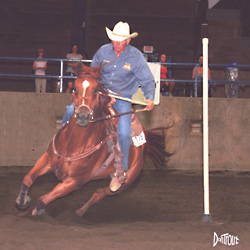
x: 108, y: 117
x: 86, y: 153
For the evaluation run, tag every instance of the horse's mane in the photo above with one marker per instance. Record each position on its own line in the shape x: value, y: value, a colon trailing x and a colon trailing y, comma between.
x: 83, y: 70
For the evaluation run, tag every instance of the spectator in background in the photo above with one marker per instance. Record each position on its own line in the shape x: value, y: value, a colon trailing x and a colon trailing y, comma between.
x: 232, y: 90
x: 70, y: 71
x: 166, y: 87
x: 198, y: 75
x: 39, y: 66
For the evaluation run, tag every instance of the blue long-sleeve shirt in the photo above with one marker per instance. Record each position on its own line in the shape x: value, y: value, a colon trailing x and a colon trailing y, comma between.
x: 124, y: 74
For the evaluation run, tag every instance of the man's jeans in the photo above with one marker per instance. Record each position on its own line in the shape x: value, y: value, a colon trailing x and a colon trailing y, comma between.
x: 69, y: 112
x: 123, y: 130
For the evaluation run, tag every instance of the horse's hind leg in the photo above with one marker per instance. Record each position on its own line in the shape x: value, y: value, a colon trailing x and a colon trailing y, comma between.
x: 136, y: 164
x: 41, y: 167
x: 103, y: 192
x: 96, y: 197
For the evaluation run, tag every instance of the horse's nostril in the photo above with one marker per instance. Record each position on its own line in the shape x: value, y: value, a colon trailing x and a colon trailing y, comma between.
x: 83, y: 116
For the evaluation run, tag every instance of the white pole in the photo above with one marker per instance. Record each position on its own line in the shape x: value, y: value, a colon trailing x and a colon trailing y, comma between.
x: 61, y: 79
x: 206, y: 216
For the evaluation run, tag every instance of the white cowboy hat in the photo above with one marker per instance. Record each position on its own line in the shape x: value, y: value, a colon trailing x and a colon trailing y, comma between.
x: 120, y: 32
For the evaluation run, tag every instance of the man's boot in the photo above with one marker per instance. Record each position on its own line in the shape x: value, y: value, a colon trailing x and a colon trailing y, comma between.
x: 118, y: 178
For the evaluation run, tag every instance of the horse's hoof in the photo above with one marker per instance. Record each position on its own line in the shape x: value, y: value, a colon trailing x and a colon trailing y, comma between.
x: 25, y: 214
x: 38, y: 212
x: 25, y: 204
x: 80, y: 212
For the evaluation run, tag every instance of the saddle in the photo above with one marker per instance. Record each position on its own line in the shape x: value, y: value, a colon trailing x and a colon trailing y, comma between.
x: 137, y: 134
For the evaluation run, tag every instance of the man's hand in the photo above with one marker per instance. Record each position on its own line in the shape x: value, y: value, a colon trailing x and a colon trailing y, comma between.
x: 150, y: 104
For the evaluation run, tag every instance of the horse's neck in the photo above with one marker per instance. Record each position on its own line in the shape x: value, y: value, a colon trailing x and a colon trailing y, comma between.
x: 82, y: 131
x: 78, y: 139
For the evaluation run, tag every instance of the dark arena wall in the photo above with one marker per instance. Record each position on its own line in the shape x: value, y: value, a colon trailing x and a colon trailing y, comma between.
x: 171, y: 27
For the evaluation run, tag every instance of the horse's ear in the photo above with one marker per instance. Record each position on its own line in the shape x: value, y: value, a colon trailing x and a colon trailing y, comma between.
x: 100, y: 66
x: 79, y: 68
x: 97, y: 71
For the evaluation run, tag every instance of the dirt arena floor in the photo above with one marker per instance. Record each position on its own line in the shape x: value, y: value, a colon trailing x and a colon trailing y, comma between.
x: 162, y: 210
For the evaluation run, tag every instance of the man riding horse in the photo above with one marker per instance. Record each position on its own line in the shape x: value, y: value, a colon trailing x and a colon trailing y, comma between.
x: 123, y: 70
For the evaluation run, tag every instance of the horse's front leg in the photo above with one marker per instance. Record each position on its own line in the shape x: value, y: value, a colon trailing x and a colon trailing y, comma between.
x: 60, y: 190
x: 41, y: 167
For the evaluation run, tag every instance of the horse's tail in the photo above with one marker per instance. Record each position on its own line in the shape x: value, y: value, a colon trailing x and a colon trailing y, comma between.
x: 155, y: 147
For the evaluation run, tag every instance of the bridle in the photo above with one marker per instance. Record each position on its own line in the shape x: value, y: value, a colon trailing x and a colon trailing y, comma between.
x: 90, y: 111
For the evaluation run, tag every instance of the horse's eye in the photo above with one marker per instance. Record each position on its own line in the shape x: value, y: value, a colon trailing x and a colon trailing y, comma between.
x: 74, y: 90
x: 96, y: 90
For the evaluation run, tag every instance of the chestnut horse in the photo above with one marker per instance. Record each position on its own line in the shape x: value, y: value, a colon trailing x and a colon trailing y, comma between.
x: 84, y: 148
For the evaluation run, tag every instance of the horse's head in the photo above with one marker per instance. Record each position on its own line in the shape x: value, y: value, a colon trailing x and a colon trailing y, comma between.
x: 86, y: 95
